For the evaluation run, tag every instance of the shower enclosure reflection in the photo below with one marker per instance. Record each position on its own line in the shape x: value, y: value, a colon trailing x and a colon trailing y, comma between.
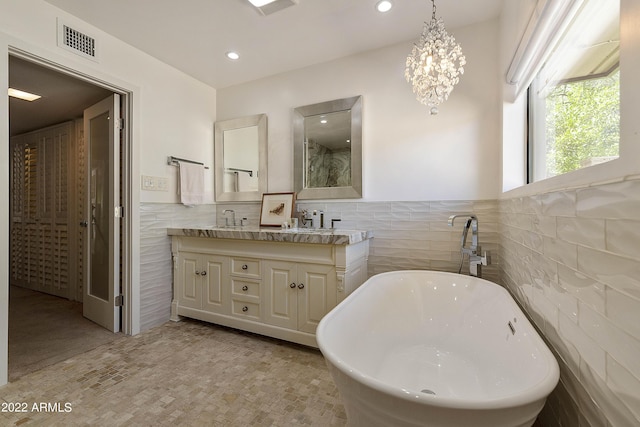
x: 328, y: 149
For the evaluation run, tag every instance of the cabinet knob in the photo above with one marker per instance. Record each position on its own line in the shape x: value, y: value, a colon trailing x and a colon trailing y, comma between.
x: 301, y: 286
x: 292, y: 285
x: 245, y: 308
x: 204, y: 273
x: 245, y: 288
x: 197, y: 272
x: 245, y: 266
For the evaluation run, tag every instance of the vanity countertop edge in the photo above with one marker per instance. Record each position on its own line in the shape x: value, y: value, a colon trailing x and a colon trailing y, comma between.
x: 327, y: 237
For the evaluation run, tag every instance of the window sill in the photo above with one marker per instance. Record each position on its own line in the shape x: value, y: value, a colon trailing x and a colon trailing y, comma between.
x: 605, y: 173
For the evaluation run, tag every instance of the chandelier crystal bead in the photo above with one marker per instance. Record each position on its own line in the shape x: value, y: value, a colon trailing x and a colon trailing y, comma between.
x: 435, y: 64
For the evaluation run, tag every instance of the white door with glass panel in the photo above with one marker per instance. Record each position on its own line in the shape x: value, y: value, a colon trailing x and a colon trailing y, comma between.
x: 101, y: 298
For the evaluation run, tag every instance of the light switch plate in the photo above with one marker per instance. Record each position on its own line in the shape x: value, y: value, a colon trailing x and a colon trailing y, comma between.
x: 154, y: 183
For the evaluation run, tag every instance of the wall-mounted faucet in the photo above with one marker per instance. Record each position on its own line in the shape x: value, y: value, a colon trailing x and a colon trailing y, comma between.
x: 474, y: 251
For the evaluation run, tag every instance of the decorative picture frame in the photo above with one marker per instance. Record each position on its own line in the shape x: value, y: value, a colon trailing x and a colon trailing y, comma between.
x: 276, y: 208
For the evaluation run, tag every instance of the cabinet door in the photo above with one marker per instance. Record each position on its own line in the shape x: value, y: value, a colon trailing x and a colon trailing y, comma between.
x: 214, y: 273
x: 280, y: 297
x: 316, y: 294
x: 189, y: 286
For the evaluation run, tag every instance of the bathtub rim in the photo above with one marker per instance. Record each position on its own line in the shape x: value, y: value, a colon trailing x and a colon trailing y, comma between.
x: 537, y: 391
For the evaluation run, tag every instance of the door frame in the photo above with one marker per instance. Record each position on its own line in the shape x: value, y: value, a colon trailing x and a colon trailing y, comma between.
x: 130, y: 323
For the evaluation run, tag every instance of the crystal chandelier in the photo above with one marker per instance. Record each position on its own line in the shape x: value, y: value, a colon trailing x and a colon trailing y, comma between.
x: 435, y: 64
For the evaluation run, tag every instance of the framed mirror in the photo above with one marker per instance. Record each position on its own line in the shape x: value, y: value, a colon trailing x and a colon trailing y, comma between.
x: 327, y: 150
x: 240, y: 149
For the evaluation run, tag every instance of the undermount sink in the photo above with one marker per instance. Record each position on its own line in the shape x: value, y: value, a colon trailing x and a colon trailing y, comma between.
x: 310, y: 230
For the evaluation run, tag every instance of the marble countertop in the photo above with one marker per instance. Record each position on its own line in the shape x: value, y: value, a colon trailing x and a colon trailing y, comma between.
x: 301, y: 235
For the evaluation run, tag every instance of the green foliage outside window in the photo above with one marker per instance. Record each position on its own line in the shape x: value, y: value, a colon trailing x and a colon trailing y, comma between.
x: 582, y: 123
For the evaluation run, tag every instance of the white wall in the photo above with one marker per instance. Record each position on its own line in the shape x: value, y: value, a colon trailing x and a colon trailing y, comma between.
x: 407, y: 154
x: 4, y: 220
x: 173, y: 115
x: 513, y: 125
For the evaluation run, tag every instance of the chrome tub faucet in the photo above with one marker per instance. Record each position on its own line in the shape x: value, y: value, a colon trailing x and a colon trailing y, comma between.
x: 473, y: 251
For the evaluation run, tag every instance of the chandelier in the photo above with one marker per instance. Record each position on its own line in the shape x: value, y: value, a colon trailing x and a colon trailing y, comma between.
x: 435, y: 64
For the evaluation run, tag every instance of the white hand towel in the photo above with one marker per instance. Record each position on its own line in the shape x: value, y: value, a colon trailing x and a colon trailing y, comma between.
x: 246, y: 182
x: 191, y: 184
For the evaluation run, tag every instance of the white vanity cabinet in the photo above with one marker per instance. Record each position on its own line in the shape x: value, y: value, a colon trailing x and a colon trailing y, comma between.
x: 263, y: 282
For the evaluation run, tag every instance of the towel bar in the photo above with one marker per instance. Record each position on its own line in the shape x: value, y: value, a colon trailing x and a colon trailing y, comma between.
x: 174, y: 161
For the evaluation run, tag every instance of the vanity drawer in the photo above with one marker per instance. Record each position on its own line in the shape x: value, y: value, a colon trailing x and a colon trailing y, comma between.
x: 245, y: 287
x: 245, y: 309
x: 245, y: 267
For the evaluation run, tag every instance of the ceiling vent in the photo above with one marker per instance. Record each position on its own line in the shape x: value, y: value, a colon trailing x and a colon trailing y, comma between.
x: 77, y: 42
x: 265, y: 7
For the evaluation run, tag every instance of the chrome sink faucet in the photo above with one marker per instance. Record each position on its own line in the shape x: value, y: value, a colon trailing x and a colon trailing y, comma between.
x: 473, y: 251
x: 305, y: 218
x: 226, y: 218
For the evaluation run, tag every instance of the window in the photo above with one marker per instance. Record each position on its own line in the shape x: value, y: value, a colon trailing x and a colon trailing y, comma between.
x: 574, y: 101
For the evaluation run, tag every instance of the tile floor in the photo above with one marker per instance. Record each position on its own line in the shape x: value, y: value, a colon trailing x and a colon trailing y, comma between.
x: 180, y: 374
x: 45, y: 329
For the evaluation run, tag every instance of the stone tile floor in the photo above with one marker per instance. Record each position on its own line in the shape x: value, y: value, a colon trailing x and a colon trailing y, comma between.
x: 45, y: 329
x: 180, y: 374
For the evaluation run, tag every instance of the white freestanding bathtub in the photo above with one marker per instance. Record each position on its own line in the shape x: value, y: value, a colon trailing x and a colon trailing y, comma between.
x: 426, y: 348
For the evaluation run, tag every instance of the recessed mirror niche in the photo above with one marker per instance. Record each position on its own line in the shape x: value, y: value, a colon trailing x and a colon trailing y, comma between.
x: 328, y: 149
x: 241, y: 158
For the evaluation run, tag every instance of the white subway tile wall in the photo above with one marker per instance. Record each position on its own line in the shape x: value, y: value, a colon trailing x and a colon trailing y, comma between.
x: 156, y: 272
x: 415, y: 235
x: 572, y: 259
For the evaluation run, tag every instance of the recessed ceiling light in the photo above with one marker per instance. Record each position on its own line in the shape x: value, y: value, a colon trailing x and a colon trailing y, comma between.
x: 260, y: 3
x: 23, y: 95
x: 384, y: 5
x: 267, y: 7
x: 232, y: 55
